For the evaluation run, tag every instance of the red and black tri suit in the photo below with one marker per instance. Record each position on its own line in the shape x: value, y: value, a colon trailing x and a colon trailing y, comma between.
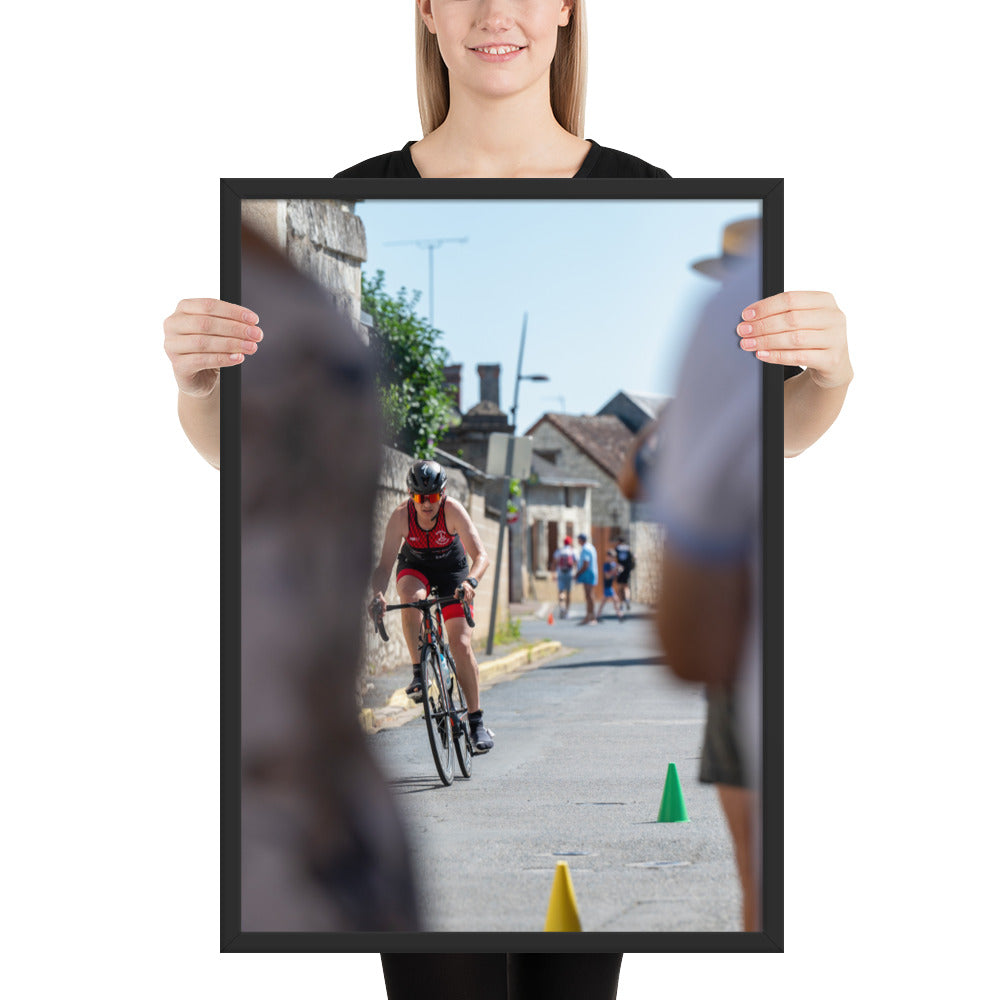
x: 436, y: 557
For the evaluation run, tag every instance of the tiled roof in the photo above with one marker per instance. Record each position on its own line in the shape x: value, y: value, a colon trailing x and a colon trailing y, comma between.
x: 605, y: 440
x: 648, y: 401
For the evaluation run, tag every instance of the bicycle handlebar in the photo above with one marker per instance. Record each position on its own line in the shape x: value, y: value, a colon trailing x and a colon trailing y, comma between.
x: 425, y: 605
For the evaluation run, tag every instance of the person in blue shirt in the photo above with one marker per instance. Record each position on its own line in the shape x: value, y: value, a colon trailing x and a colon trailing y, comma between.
x: 587, y: 575
x: 610, y: 572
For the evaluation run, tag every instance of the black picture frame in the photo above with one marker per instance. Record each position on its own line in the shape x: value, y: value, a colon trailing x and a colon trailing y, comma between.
x: 769, y: 192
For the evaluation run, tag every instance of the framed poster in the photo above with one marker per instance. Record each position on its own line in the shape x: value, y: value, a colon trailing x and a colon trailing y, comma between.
x: 411, y: 321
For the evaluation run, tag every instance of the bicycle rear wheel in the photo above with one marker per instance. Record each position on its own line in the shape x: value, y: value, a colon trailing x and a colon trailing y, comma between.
x: 437, y: 714
x: 460, y: 722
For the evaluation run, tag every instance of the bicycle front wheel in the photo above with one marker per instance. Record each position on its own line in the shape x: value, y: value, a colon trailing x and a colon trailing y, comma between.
x: 460, y: 722
x: 437, y: 714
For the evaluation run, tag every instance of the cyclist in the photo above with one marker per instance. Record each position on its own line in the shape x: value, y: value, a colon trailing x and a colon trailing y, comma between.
x: 435, y: 533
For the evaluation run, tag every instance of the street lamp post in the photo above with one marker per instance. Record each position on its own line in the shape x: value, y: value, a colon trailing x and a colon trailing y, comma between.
x: 505, y: 492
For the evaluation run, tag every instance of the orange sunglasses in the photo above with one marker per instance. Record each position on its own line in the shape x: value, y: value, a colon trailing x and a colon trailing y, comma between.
x: 426, y: 497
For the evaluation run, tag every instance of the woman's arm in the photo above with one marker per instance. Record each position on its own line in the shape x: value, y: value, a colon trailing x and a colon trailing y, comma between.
x: 458, y: 516
x: 199, y: 416
x: 202, y: 336
x: 807, y: 329
x: 810, y: 409
x: 395, y: 531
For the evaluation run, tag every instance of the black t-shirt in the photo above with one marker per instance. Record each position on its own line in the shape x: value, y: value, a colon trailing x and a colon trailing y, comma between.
x: 600, y: 161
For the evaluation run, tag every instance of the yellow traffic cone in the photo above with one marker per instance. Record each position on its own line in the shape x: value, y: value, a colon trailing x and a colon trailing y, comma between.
x: 562, y: 915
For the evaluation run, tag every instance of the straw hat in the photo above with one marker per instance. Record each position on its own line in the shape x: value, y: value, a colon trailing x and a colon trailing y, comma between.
x: 740, y: 240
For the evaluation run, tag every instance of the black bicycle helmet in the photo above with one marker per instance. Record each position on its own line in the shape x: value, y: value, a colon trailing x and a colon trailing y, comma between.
x: 425, y: 477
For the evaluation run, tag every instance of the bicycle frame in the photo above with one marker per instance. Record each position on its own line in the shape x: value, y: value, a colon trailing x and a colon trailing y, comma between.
x: 455, y: 736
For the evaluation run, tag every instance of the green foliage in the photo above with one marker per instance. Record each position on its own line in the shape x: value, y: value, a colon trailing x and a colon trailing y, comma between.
x: 509, y: 631
x: 417, y: 403
x: 514, y: 493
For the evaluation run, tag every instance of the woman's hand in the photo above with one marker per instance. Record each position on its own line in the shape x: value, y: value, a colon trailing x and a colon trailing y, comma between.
x: 377, y: 605
x: 203, y: 336
x: 800, y: 328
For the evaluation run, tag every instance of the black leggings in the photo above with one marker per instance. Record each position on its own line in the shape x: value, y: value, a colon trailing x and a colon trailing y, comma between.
x: 501, y: 977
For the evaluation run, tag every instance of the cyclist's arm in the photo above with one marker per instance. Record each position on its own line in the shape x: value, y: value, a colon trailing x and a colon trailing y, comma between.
x: 457, y: 516
x: 395, y: 532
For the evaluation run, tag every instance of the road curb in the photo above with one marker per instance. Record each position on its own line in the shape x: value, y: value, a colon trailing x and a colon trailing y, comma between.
x: 401, y: 708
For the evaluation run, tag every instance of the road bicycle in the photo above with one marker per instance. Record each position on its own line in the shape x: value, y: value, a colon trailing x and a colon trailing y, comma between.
x: 445, y: 711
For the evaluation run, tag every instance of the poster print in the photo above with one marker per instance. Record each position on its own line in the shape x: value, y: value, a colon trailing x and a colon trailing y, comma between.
x: 531, y: 339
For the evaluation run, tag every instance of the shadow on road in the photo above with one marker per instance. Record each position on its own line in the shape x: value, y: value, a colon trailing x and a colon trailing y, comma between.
x: 424, y: 783
x: 644, y: 662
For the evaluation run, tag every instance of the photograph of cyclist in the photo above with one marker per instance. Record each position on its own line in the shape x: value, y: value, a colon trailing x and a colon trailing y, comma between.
x: 434, y: 538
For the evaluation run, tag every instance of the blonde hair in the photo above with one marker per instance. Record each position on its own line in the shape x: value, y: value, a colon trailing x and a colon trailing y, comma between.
x: 567, y: 75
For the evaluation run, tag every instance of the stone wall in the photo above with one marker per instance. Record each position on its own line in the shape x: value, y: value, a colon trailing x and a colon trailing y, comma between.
x: 379, y: 655
x: 323, y: 239
x: 646, y: 539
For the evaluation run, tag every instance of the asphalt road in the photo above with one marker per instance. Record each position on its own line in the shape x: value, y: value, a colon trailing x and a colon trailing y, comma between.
x: 582, y: 747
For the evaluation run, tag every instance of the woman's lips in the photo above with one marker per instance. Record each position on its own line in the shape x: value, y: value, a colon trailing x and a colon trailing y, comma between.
x: 497, y: 53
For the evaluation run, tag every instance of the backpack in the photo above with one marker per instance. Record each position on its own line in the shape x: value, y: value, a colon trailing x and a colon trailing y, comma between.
x: 566, y: 560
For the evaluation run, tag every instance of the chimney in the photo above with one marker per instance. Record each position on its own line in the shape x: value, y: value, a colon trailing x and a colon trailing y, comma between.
x: 453, y: 379
x: 489, y: 384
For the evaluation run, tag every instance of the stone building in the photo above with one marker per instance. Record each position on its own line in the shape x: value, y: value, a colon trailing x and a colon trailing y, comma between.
x: 634, y: 409
x: 556, y: 504
x: 592, y: 449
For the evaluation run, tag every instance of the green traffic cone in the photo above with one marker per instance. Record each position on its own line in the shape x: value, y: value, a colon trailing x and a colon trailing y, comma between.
x: 672, y: 805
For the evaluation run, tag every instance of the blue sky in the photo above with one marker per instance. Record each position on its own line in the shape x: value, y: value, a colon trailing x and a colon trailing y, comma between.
x: 607, y: 287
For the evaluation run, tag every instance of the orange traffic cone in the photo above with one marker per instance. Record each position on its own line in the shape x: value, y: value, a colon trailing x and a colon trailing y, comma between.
x: 551, y: 619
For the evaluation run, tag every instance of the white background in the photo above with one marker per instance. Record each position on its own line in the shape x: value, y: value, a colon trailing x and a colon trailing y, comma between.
x: 119, y: 120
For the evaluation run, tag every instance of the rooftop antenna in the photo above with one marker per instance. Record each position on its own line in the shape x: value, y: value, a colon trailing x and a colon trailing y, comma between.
x: 430, y: 246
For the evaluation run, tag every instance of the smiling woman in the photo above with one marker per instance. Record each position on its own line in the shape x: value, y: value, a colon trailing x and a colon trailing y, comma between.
x: 459, y: 44
x: 521, y: 63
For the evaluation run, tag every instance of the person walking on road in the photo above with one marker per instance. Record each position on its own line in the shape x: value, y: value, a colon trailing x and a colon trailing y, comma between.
x: 587, y: 575
x: 610, y: 572
x: 563, y: 563
x: 626, y: 563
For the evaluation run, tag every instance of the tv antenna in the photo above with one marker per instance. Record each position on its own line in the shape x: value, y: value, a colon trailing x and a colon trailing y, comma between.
x: 430, y: 246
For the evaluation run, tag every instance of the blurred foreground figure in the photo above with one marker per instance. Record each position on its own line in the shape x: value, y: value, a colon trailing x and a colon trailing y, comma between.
x: 707, y: 494
x: 323, y: 847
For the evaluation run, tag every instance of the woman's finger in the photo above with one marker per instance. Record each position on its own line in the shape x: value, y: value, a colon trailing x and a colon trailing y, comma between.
x: 803, y: 358
x: 216, y: 307
x: 794, y: 319
x: 201, y: 325
x: 787, y: 301
x: 795, y: 340
x: 178, y: 346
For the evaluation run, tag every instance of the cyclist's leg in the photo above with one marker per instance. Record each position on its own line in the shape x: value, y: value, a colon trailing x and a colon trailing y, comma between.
x: 411, y: 586
x: 445, y: 977
x: 460, y: 641
x: 563, y: 977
